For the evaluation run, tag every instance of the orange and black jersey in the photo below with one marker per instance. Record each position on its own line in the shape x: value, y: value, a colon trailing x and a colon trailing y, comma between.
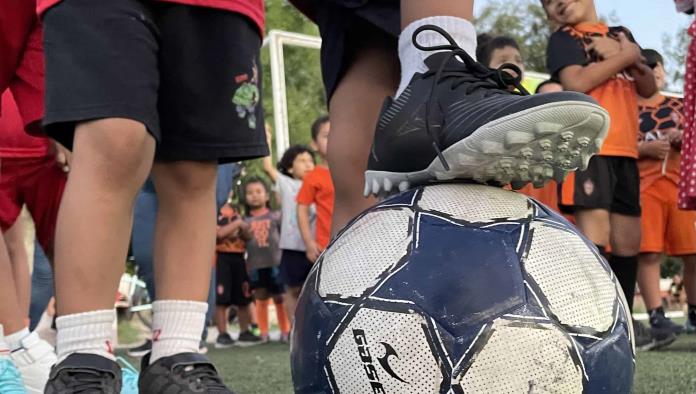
x: 656, y: 118
x: 570, y: 46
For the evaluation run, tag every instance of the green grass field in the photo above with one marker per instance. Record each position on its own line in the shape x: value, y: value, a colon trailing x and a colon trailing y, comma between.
x: 265, y: 368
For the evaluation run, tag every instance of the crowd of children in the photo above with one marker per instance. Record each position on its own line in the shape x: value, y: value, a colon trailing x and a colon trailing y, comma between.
x: 140, y: 107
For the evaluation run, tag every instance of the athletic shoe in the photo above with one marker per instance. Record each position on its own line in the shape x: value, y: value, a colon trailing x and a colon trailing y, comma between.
x: 181, y: 373
x: 247, y: 338
x: 285, y: 338
x: 461, y: 120
x: 224, y: 341
x: 129, y: 381
x: 85, y: 373
x: 203, y: 347
x: 690, y: 325
x: 34, y: 360
x: 141, y: 350
x: 646, y: 339
x: 662, y: 325
x: 10, y: 378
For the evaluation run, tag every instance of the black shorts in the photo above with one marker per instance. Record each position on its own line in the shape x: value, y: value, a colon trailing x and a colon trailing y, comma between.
x: 348, y: 25
x: 294, y: 267
x: 191, y: 75
x: 611, y: 183
x: 267, y: 278
x: 232, y: 280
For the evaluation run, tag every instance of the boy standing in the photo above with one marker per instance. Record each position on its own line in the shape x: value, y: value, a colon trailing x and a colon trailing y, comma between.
x: 587, y: 56
x: 317, y: 189
x: 449, y: 117
x: 182, y: 77
x: 666, y: 229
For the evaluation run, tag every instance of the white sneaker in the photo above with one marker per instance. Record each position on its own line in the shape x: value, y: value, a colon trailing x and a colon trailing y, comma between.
x: 34, y: 361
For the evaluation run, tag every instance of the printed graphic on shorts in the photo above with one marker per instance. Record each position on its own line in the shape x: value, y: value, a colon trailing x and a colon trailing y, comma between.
x: 260, y: 229
x: 247, y: 96
x: 588, y: 187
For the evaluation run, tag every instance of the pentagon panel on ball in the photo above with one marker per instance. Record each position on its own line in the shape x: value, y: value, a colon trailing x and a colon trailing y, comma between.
x: 461, y: 288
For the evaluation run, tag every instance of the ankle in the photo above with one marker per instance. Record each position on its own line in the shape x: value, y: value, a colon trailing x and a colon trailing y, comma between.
x: 88, y: 332
x: 176, y: 327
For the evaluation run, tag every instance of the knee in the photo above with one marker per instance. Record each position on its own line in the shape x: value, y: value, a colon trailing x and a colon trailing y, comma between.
x: 120, y: 150
x: 192, y: 178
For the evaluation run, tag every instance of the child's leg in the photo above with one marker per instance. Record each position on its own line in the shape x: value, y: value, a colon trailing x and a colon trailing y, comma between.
x: 281, y: 314
x: 354, y: 110
x: 244, y: 317
x: 221, y: 318
x: 649, y: 279
x: 413, y: 10
x: 625, y: 247
x: 262, y: 299
x: 16, y: 249
x: 11, y: 317
x: 690, y: 278
x: 594, y: 224
x: 291, y: 296
x: 184, y: 246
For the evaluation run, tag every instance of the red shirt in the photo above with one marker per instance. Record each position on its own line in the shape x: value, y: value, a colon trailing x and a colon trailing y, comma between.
x: 317, y: 188
x: 253, y: 9
x: 14, y: 141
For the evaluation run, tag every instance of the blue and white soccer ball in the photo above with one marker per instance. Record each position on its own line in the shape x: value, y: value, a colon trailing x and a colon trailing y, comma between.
x: 460, y: 288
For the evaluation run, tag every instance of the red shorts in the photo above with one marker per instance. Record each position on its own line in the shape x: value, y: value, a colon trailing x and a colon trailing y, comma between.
x: 666, y: 228
x: 38, y: 183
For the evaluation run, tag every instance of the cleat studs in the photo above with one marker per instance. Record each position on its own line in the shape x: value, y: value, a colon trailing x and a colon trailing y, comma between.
x: 584, y: 142
x: 517, y: 138
x: 567, y: 136
x: 387, y: 185
x: 403, y: 186
x: 544, y: 128
x: 375, y: 187
x: 545, y: 144
x: 585, y: 159
x: 563, y: 147
x: 492, y: 148
x: 366, y: 192
x: 598, y: 142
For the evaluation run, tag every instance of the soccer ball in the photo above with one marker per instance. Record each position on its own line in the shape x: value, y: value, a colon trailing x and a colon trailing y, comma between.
x: 461, y: 288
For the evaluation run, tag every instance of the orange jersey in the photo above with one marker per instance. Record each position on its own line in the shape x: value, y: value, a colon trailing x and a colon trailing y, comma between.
x: 570, y: 46
x: 656, y: 118
x: 547, y: 195
x: 231, y: 244
x: 317, y: 188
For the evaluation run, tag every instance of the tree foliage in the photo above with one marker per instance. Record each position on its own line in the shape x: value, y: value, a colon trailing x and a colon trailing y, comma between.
x: 674, y: 50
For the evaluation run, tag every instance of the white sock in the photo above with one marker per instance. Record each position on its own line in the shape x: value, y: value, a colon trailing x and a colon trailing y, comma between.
x: 177, y: 327
x: 14, y: 341
x: 88, y: 332
x: 413, y: 59
x: 4, y: 347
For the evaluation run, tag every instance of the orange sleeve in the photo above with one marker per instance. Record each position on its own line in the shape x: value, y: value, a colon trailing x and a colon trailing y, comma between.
x: 308, y: 191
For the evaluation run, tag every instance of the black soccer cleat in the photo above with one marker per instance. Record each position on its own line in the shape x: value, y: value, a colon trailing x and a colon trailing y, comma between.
x: 463, y: 120
x: 662, y: 325
x: 184, y: 373
x: 85, y: 374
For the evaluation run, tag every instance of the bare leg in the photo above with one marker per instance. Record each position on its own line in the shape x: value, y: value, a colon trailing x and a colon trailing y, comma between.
x: 110, y: 162
x: 354, y: 110
x: 690, y: 278
x: 412, y: 10
x: 291, y: 296
x: 14, y: 237
x: 244, y: 317
x: 594, y: 223
x: 625, y: 235
x: 11, y: 317
x: 221, y: 318
x: 649, y: 279
x: 185, y: 229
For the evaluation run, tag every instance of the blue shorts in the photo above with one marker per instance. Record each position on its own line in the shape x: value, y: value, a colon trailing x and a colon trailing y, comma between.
x: 294, y: 267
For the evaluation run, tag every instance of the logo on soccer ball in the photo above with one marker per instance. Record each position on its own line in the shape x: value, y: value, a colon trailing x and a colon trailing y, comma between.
x: 368, y: 362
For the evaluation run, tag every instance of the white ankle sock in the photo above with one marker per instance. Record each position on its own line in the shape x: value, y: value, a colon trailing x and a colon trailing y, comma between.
x: 14, y: 341
x: 88, y: 332
x: 412, y: 58
x: 177, y: 327
x: 4, y: 347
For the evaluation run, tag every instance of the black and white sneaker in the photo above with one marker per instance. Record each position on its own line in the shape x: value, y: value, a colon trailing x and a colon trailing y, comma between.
x: 85, y: 373
x: 184, y: 373
x: 661, y: 324
x: 461, y: 120
x: 224, y: 341
x: 248, y: 338
x: 647, y: 339
x: 141, y: 350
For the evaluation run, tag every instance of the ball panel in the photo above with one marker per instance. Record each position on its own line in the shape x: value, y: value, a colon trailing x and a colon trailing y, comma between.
x: 450, y: 272
x: 579, y: 291
x: 387, y: 351
x: 371, y: 246
x: 537, y: 358
x: 475, y: 203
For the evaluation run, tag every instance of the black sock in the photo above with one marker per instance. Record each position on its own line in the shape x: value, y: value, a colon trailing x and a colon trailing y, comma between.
x: 602, y: 251
x: 626, y: 271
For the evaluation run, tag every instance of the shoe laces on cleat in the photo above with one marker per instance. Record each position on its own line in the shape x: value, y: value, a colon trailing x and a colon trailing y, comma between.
x: 472, y: 76
x: 85, y: 380
x: 203, y: 376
